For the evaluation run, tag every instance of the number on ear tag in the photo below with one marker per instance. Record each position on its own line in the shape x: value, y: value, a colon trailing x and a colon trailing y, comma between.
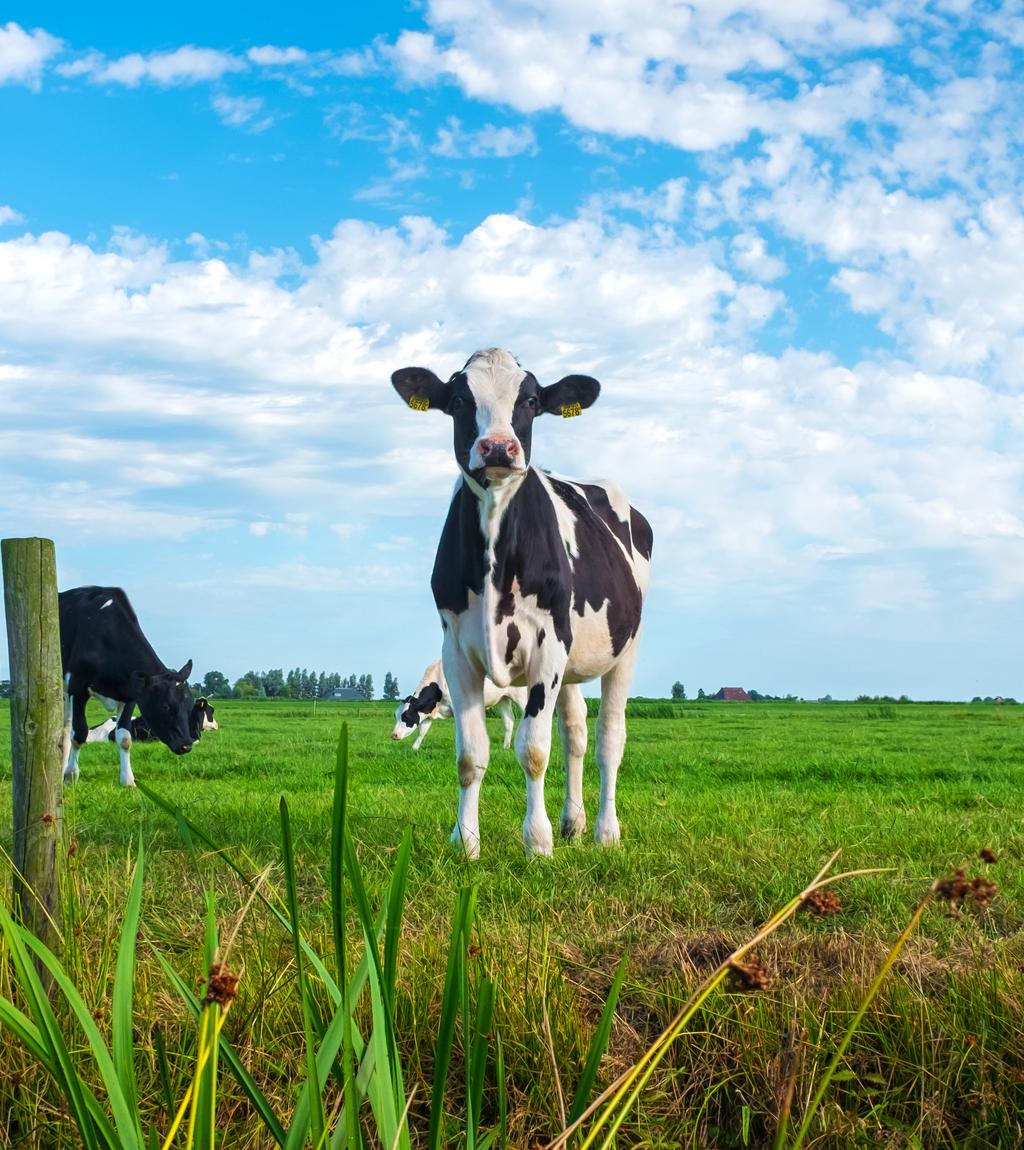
x: 418, y: 404
x: 571, y: 410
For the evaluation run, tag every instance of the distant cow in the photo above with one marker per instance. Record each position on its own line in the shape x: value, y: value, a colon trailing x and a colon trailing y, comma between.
x: 539, y: 582
x: 431, y: 701
x: 104, y: 653
x: 200, y: 720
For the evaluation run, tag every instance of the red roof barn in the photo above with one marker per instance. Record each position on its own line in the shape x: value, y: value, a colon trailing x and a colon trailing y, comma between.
x: 732, y: 695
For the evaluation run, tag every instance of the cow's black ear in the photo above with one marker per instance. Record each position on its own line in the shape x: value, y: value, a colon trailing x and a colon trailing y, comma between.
x: 139, y: 681
x: 201, y: 701
x: 420, y: 388
x: 569, y: 396
x: 185, y: 671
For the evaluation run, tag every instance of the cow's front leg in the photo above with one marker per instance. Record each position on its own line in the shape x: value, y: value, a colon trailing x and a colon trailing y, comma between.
x: 123, y: 738
x: 76, y: 733
x: 424, y: 727
x: 572, y: 729
x: 472, y: 747
x: 533, y: 747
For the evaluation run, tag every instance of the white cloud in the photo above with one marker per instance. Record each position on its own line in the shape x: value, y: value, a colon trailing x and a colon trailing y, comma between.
x: 242, y: 112
x: 273, y: 56
x: 455, y: 141
x: 185, y: 65
x: 676, y: 74
x: 9, y: 216
x: 23, y: 55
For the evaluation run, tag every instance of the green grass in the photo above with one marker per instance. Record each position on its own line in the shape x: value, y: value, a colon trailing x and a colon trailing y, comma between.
x: 726, y: 810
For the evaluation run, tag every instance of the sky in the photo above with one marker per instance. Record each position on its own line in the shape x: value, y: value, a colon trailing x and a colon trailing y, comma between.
x: 787, y: 237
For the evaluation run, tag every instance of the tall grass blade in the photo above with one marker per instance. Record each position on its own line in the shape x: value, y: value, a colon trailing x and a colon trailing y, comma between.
x: 478, y: 1050
x: 162, y: 1065
x: 451, y: 1002
x: 318, y: 1119
x: 122, y: 1005
x: 395, y: 911
x: 50, y: 1036
x: 125, y: 1119
x: 339, y: 912
x: 598, y: 1045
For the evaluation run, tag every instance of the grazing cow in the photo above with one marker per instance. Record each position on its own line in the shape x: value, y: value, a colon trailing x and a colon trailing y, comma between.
x: 539, y: 582
x: 104, y: 653
x: 431, y: 701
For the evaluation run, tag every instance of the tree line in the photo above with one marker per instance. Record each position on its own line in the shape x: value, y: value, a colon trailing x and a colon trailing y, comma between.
x: 299, y: 683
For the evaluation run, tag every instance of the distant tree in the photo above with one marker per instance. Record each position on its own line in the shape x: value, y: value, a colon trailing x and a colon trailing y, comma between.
x: 390, y: 687
x: 321, y: 684
x: 823, y: 699
x: 5, y: 688
x: 903, y: 699
x: 365, y: 686
x: 678, y: 691
x: 352, y: 682
x: 273, y: 683
x: 216, y: 685
x: 700, y: 693
x: 244, y: 688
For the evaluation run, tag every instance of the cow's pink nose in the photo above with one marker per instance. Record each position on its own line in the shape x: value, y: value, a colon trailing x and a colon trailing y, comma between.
x: 499, y: 443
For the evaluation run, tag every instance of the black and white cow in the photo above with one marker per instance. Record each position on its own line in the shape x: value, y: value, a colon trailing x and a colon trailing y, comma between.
x: 431, y: 701
x: 539, y: 582
x: 104, y: 653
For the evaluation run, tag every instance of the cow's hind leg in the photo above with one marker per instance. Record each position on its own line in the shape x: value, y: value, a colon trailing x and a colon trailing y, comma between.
x: 611, y: 741
x: 472, y: 747
x: 572, y: 730
x: 123, y: 738
x: 508, y: 719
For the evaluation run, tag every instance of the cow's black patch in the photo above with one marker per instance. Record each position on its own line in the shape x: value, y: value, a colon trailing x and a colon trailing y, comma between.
x: 554, y: 681
x: 541, y: 636
x: 422, y: 704
x: 597, y: 497
x: 513, y: 642
x: 460, y: 565
x: 529, y: 551
x: 640, y: 529
x: 535, y: 701
x: 601, y: 574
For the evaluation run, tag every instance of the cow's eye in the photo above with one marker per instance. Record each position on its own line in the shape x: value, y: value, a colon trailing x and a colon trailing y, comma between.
x: 531, y: 402
x: 456, y: 403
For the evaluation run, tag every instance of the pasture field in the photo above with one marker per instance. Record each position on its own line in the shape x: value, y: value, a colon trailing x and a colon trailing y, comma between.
x: 727, y: 811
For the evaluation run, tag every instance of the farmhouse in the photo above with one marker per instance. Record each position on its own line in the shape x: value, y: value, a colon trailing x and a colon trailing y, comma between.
x: 732, y: 695
x: 349, y: 694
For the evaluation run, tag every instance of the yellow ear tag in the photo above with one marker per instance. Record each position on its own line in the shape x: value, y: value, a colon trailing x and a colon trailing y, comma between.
x: 418, y: 404
x: 571, y: 410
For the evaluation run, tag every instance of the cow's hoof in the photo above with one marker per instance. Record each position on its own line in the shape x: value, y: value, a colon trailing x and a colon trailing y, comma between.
x: 538, y: 840
x: 573, y: 825
x: 71, y: 776
x: 466, y: 842
x: 128, y: 782
x: 606, y: 834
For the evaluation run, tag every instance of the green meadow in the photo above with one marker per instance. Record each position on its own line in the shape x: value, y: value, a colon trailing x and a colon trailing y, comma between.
x: 727, y: 811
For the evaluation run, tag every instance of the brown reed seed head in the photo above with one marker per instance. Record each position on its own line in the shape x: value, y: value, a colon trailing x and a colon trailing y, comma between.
x: 823, y: 902
x: 955, y: 889
x: 221, y: 986
x: 988, y: 855
x: 748, y: 976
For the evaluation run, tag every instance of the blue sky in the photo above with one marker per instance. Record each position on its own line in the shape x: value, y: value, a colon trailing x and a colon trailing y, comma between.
x: 786, y: 237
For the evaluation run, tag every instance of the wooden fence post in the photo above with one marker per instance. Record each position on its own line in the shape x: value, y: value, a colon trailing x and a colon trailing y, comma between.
x: 37, y: 730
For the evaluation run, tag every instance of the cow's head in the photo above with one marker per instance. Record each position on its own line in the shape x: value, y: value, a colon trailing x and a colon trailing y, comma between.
x: 165, y: 702
x: 493, y: 403
x: 201, y: 718
x: 414, y: 708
